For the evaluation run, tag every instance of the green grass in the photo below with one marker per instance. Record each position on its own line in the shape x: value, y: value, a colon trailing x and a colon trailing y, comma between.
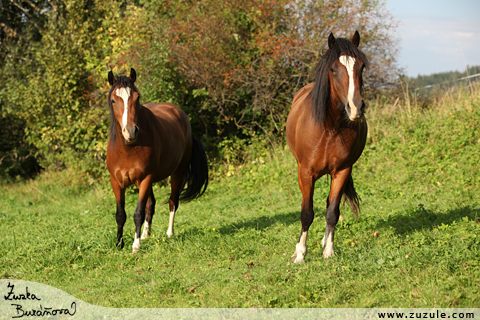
x: 418, y: 180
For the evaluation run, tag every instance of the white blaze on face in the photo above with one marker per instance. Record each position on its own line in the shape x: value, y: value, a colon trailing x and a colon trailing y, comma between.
x: 124, y: 93
x: 349, y: 62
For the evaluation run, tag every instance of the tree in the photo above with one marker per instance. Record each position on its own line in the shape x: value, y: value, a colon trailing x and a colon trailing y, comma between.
x: 21, y: 24
x: 246, y: 59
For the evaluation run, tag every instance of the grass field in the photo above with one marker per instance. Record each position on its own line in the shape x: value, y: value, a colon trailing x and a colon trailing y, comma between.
x: 419, y: 183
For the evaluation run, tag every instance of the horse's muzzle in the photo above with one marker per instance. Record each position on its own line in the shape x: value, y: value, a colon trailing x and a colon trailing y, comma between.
x: 359, y: 112
x: 130, y: 135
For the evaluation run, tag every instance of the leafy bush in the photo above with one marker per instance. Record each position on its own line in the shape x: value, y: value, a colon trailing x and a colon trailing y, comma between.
x: 16, y: 158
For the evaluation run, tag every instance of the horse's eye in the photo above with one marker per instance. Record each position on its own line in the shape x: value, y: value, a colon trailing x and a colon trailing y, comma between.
x: 333, y: 71
x: 113, y: 101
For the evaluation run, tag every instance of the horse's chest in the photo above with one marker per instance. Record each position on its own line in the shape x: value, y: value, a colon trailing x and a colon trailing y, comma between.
x: 129, y: 168
x: 126, y: 177
x: 347, y: 150
x: 333, y: 153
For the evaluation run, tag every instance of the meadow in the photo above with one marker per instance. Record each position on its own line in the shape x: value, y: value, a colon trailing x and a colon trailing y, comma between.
x: 415, y: 244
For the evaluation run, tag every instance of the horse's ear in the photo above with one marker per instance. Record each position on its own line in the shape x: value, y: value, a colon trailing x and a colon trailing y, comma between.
x: 331, y: 41
x: 356, y: 39
x: 133, y: 75
x: 111, y: 78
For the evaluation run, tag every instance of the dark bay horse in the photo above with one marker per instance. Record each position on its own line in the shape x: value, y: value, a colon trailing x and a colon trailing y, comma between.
x: 147, y: 144
x: 326, y: 132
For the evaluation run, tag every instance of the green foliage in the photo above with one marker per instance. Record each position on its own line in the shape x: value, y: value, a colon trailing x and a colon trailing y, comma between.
x: 16, y: 159
x: 55, y: 93
x: 20, y: 32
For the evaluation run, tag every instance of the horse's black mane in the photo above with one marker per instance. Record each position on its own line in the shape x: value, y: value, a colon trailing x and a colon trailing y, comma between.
x: 121, y: 82
x: 321, y: 89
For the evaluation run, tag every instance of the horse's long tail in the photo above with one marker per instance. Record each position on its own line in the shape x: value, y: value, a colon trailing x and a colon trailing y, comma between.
x: 195, y: 179
x: 352, y: 196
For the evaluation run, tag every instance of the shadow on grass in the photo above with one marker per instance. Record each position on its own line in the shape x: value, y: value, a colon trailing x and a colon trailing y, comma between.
x: 262, y: 222
x: 421, y: 218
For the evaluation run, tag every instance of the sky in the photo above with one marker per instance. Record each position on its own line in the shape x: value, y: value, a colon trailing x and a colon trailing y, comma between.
x: 434, y: 33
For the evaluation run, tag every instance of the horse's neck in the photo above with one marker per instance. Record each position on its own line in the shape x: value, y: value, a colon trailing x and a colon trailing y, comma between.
x: 332, y: 113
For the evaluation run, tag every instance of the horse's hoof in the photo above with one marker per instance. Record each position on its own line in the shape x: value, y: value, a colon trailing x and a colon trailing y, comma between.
x: 170, y: 234
x: 120, y: 244
x: 136, y: 249
x: 298, y: 257
x: 144, y: 236
x: 328, y: 253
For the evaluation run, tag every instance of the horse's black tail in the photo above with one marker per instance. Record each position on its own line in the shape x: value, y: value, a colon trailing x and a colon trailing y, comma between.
x: 195, y: 179
x: 352, y: 196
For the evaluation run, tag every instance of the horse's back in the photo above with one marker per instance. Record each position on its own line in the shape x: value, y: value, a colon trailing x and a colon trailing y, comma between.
x: 168, y: 112
x: 173, y: 130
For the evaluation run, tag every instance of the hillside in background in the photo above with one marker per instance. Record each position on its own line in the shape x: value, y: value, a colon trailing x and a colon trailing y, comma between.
x: 445, y: 78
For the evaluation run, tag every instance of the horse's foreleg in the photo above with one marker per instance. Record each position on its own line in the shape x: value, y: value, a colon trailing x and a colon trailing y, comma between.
x: 145, y: 190
x: 121, y: 216
x: 333, y: 210
x: 149, y: 212
x: 176, y: 184
x: 307, y: 183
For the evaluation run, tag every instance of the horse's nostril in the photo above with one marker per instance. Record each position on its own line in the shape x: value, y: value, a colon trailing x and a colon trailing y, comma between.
x: 362, y: 108
x: 136, y: 131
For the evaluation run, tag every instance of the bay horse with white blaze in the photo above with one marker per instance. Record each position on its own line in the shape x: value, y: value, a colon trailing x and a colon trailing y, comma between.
x: 149, y: 143
x: 326, y: 132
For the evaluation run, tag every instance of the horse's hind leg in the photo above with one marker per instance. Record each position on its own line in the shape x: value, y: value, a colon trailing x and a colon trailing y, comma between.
x: 307, y: 183
x: 176, y: 182
x: 333, y: 210
x: 149, y: 212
